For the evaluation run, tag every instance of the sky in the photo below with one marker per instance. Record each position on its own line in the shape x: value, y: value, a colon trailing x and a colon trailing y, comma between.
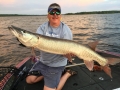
x: 39, y: 7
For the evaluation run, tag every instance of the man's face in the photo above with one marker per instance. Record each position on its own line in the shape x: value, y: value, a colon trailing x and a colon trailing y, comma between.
x: 54, y: 16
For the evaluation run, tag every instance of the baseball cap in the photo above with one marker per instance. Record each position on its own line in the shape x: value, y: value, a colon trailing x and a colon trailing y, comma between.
x: 54, y: 6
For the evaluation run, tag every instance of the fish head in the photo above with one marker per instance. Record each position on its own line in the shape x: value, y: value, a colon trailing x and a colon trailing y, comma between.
x: 25, y: 37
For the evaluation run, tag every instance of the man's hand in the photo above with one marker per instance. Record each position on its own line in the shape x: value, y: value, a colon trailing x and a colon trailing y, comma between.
x: 69, y: 56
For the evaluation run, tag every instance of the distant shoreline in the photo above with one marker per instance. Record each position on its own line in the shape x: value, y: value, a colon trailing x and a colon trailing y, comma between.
x: 94, y: 12
x: 5, y: 15
x: 78, y: 13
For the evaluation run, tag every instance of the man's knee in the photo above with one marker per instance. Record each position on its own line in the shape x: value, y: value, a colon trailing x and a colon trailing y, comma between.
x: 31, y: 79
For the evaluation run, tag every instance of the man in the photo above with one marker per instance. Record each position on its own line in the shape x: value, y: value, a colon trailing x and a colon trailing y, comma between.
x: 50, y: 66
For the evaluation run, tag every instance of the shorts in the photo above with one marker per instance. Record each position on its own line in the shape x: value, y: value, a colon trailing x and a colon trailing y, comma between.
x: 51, y: 75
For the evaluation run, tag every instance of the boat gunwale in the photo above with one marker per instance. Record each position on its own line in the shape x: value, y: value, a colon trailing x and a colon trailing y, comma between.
x: 107, y: 52
x: 10, y: 74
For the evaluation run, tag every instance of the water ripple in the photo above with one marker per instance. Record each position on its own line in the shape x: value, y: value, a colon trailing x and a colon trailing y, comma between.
x: 85, y: 28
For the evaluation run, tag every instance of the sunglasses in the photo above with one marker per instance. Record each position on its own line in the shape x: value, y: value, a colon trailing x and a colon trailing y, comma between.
x: 54, y: 12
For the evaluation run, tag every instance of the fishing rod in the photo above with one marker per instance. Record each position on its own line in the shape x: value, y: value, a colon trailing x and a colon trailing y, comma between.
x: 74, y: 64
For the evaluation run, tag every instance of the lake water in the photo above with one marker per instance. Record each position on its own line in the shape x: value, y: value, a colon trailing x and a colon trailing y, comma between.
x: 85, y: 29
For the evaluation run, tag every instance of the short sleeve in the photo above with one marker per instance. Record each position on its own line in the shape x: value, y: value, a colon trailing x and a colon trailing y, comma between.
x: 67, y: 33
x: 41, y: 29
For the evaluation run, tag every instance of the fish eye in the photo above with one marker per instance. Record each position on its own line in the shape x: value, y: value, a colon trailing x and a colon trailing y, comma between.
x: 24, y: 31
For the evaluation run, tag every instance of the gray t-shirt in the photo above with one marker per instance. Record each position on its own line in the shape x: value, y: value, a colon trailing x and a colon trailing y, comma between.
x: 63, y: 32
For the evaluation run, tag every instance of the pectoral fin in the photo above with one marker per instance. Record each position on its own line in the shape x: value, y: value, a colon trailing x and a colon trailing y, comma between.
x: 89, y: 64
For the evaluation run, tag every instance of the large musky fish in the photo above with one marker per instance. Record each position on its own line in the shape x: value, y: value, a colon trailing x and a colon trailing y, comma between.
x: 63, y: 47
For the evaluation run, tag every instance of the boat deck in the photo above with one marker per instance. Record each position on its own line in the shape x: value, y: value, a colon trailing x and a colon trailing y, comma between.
x: 84, y: 80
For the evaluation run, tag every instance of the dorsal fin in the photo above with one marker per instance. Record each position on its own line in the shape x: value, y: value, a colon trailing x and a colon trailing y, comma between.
x: 93, y: 45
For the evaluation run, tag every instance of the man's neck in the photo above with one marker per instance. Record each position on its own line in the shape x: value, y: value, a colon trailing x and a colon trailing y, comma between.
x: 55, y: 24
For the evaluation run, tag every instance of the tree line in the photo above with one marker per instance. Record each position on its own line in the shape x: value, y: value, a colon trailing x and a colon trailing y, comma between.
x: 94, y: 12
x: 77, y: 13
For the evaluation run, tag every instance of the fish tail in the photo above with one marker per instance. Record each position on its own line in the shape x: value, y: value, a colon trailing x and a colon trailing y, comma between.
x: 107, y: 70
x: 113, y: 61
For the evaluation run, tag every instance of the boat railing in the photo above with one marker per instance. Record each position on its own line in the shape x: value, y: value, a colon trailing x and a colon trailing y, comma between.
x: 4, y: 70
x: 5, y: 74
x: 11, y: 75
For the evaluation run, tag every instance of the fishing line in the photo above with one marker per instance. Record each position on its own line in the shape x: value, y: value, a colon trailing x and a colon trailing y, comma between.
x: 79, y: 64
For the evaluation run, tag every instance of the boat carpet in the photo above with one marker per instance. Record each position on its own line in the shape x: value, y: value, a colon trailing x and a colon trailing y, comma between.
x: 84, y: 80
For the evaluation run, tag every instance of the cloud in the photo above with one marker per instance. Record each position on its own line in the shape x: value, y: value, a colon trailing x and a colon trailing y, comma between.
x: 78, y: 2
x: 104, y: 6
x: 40, y: 6
x: 22, y: 7
x: 77, y: 5
x: 7, y: 2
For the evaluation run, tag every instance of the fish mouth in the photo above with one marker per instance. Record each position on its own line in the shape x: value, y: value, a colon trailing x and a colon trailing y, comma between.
x: 21, y: 31
x: 10, y: 28
x: 16, y: 30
